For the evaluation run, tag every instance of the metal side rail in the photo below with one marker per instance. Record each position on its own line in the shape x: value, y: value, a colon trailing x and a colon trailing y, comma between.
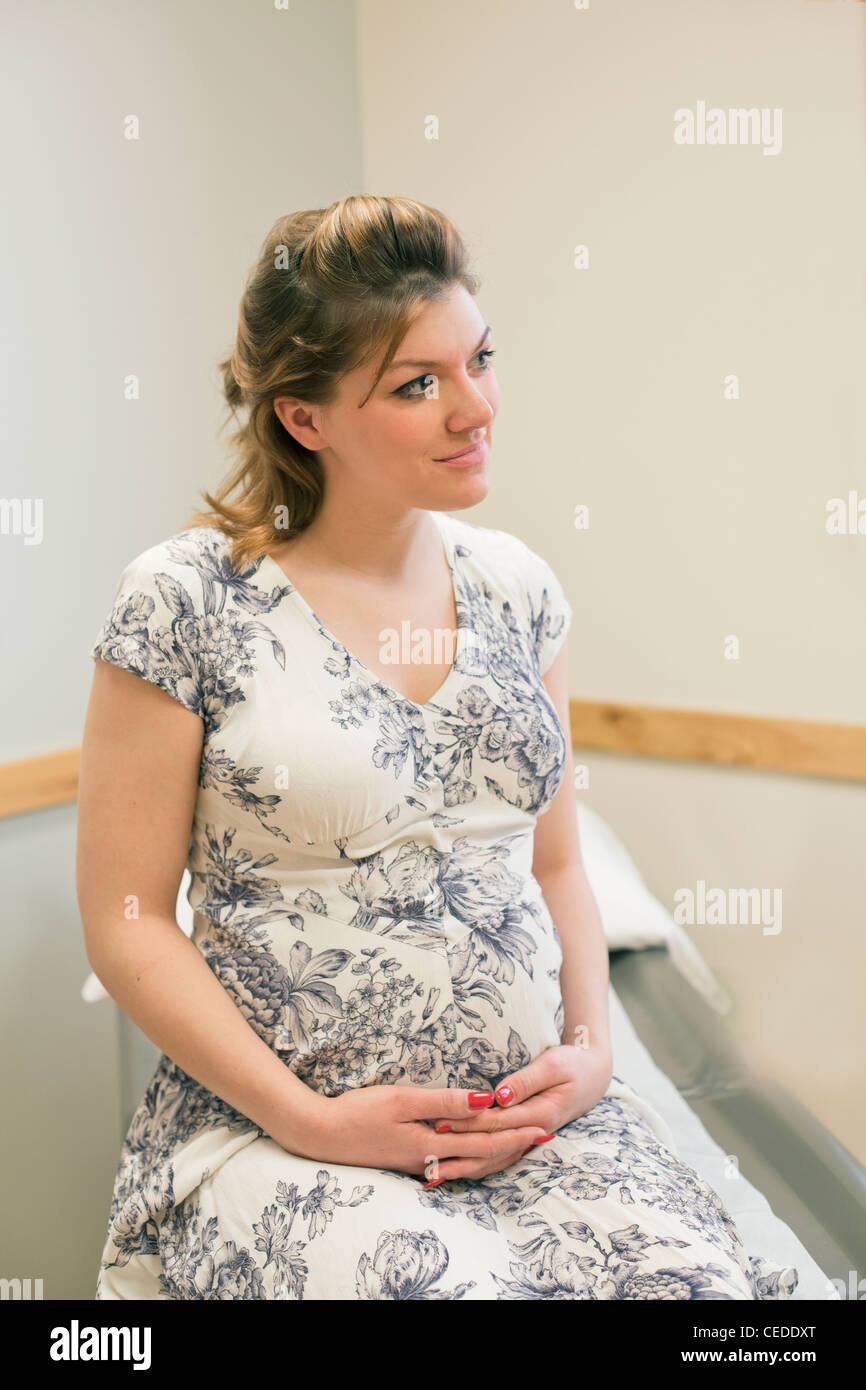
x: 812, y: 1181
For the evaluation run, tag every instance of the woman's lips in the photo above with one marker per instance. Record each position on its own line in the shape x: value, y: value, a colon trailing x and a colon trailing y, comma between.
x: 475, y: 453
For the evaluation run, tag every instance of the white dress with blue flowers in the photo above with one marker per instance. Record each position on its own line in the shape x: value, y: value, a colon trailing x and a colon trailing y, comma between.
x: 362, y: 888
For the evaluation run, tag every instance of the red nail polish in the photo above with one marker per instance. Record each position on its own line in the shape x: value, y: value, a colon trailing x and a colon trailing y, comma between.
x: 480, y: 1100
x: 504, y: 1095
x: 525, y: 1152
x: 543, y: 1139
x: 442, y: 1129
x: 434, y: 1183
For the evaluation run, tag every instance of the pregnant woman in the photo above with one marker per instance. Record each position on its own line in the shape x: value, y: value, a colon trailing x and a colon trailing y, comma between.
x: 386, y: 1069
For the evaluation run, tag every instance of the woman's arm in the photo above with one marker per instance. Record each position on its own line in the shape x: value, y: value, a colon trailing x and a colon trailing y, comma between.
x: 136, y: 798
x: 558, y: 866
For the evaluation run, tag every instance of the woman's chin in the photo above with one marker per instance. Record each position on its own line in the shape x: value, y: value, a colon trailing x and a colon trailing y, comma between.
x: 470, y: 485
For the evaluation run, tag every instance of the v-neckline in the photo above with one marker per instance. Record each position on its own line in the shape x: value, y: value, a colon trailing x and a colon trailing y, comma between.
x: 372, y: 676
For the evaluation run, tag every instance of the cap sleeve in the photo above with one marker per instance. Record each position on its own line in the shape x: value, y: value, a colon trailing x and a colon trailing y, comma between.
x: 550, y: 612
x: 153, y: 628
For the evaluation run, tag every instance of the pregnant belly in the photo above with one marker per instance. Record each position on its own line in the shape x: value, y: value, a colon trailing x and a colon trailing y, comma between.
x: 345, y: 1007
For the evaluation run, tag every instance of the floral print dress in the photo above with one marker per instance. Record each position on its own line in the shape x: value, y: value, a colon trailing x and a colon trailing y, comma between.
x: 361, y: 885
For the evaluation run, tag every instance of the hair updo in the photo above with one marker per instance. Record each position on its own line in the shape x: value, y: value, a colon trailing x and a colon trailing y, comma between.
x: 331, y: 289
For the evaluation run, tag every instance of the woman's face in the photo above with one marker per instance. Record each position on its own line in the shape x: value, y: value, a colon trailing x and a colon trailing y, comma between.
x: 390, y: 451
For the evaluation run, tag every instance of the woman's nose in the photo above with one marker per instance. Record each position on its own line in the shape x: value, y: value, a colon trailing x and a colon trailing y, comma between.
x: 476, y: 416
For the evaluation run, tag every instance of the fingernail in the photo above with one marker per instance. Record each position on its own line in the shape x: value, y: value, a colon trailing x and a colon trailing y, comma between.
x: 434, y: 1183
x: 504, y: 1095
x: 442, y: 1129
x: 543, y: 1139
x: 480, y: 1100
x: 525, y: 1152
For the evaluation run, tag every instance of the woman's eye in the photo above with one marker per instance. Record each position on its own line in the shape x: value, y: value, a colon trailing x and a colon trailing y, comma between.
x: 423, y: 382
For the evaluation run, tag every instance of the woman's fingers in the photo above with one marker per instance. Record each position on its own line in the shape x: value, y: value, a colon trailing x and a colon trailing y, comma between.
x: 419, y: 1103
x: 497, y: 1149
x: 527, y: 1112
x: 436, y: 1173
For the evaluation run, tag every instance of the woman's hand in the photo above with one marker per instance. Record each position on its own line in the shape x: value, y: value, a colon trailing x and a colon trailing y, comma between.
x: 391, y: 1127
x: 561, y: 1084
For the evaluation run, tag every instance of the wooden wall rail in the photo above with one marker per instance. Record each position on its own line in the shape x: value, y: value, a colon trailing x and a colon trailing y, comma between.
x: 34, y: 783
x: 739, y: 740
x: 743, y: 740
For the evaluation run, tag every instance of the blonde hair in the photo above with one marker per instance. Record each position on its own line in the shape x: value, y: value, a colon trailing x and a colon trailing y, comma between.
x: 330, y: 289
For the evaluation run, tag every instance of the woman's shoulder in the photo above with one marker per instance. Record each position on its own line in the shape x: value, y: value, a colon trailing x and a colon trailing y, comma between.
x: 153, y: 627
x: 503, y: 552
x: 176, y: 571
x: 194, y: 547
x: 521, y: 577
